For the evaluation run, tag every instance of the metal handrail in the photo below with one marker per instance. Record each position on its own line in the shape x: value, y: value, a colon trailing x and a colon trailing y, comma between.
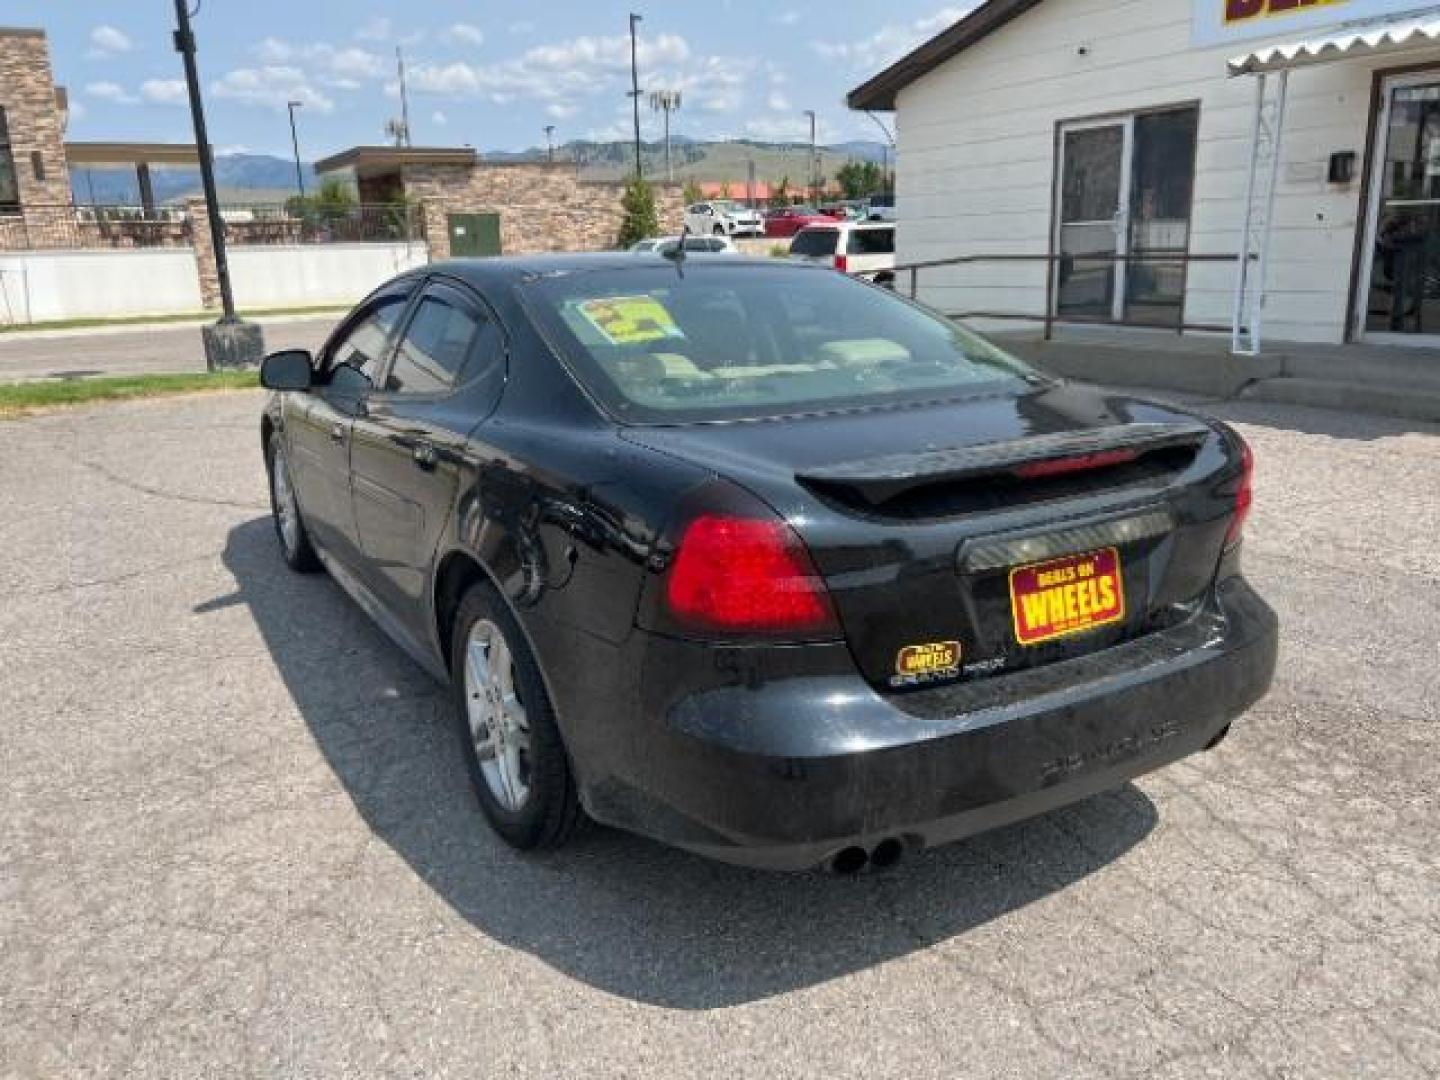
x: 1051, y: 259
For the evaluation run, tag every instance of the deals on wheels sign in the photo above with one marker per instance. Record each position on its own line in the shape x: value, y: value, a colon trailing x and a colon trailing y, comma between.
x: 1218, y: 22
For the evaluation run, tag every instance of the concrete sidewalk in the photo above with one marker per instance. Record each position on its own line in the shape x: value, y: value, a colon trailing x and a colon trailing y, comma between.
x: 1398, y: 381
x: 139, y: 349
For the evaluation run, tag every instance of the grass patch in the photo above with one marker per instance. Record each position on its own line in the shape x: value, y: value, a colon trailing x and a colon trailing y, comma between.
x: 183, y: 317
x: 25, y: 398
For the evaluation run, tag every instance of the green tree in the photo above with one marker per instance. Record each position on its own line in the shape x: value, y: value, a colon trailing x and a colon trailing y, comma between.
x: 641, y: 218
x: 692, y: 192
x: 858, y: 179
x: 780, y: 193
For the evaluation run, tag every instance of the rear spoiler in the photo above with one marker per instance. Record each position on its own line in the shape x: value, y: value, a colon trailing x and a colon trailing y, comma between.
x: 880, y: 479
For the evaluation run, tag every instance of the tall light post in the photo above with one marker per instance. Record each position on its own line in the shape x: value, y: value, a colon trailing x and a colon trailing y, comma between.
x: 666, y: 101
x: 295, y: 145
x: 635, y: 92
x: 550, y: 143
x: 814, y: 183
x: 230, y: 342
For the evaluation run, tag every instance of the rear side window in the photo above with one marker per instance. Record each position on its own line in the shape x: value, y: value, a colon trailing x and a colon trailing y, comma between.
x: 872, y: 242
x: 815, y: 242
x: 434, y: 348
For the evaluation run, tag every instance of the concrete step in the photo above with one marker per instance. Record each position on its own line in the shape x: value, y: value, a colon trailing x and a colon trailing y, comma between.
x: 1386, y: 399
x: 1391, y: 367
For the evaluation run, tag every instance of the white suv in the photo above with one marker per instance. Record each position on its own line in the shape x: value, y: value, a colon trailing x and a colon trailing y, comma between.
x: 724, y: 217
x: 864, y: 249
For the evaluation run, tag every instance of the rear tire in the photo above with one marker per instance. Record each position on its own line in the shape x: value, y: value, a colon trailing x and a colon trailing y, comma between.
x: 295, y: 546
x: 514, y: 753
x: 719, y: 230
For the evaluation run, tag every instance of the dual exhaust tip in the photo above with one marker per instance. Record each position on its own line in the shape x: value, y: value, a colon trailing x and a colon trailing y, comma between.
x: 850, y: 861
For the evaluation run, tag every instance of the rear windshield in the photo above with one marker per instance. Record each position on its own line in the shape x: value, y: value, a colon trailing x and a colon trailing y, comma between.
x: 729, y: 341
x: 815, y: 242
x: 871, y: 242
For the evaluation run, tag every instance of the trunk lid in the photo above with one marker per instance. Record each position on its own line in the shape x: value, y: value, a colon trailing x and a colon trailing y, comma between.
x: 931, y: 524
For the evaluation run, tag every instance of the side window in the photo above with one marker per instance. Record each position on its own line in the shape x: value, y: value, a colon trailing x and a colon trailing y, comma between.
x: 434, y: 348
x: 872, y: 242
x: 356, y: 359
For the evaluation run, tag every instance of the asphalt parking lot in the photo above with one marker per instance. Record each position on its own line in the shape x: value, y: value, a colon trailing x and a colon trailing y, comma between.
x: 235, y: 837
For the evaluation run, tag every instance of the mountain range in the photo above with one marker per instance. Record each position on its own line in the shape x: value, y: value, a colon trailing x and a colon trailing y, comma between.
x: 262, y: 178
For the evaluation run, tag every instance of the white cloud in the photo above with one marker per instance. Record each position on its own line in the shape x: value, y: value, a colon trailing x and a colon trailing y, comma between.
x: 376, y: 28
x: 438, y: 118
x: 777, y: 102
x: 271, y: 86
x: 787, y: 18
x: 523, y: 26
x: 231, y: 149
x: 77, y: 109
x: 164, y: 91
x: 465, y: 34
x: 112, y: 92
x: 890, y: 42
x: 343, y: 67
x: 560, y: 111
x: 108, y: 41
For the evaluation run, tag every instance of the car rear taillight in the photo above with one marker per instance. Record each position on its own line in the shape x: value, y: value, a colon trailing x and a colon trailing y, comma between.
x: 1244, y: 494
x: 842, y: 263
x: 746, y: 575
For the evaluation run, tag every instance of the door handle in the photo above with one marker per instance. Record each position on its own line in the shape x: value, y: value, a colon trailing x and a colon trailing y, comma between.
x: 337, y: 432
x: 423, y: 454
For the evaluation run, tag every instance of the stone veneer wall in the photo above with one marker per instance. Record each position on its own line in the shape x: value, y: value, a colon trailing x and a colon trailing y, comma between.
x: 542, y: 207
x: 27, y: 94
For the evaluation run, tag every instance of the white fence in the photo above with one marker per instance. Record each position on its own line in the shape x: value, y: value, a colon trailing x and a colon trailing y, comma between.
x: 44, y: 286
x: 302, y: 275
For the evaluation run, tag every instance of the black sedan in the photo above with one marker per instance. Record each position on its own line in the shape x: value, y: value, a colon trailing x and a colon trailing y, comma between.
x: 763, y: 561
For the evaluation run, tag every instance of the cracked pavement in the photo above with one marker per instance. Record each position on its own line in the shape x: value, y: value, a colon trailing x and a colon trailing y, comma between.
x: 235, y: 838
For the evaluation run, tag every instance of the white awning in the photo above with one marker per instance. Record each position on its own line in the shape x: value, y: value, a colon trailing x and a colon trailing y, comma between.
x: 1343, y: 44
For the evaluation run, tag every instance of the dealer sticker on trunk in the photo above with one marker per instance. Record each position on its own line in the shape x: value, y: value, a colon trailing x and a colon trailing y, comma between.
x: 1066, y: 596
x: 916, y: 664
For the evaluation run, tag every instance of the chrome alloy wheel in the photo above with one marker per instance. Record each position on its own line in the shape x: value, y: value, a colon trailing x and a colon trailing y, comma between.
x: 499, y: 728
x: 287, y: 513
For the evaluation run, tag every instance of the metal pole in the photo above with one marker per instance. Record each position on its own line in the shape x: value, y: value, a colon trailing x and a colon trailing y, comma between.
x: 1257, y: 301
x: 185, y: 46
x: 550, y: 143
x: 295, y: 144
x: 404, y: 97
x: 1242, y: 272
x: 669, y: 169
x: 635, y: 94
x: 814, y: 186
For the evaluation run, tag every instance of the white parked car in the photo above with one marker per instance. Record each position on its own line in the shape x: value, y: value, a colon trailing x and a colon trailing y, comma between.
x: 694, y: 245
x: 725, y: 218
x: 864, y: 249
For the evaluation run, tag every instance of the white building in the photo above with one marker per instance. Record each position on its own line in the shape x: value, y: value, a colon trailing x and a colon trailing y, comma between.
x: 1074, y: 127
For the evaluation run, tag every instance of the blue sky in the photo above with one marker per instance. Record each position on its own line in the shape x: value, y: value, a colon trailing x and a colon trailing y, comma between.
x: 490, y: 74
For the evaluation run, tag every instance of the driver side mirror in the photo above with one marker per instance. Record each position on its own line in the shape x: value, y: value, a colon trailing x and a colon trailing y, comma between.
x: 288, y: 369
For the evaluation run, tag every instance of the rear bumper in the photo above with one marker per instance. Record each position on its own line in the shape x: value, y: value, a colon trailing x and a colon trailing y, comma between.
x: 786, y: 773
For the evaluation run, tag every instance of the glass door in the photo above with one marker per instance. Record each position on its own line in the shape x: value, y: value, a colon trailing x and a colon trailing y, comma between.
x: 1401, y: 290
x: 1094, y: 205
x: 1162, y: 182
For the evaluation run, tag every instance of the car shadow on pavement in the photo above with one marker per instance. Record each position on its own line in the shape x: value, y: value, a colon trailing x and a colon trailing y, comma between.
x: 620, y: 913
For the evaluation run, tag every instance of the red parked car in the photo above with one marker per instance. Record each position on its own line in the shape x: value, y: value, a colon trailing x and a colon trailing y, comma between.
x: 788, y: 220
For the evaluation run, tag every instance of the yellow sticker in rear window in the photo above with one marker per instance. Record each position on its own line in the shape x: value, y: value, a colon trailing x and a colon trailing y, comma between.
x: 630, y: 320
x: 933, y: 658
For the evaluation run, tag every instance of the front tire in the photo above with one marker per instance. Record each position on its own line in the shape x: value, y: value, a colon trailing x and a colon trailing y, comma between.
x: 514, y: 753
x: 719, y: 230
x: 295, y: 545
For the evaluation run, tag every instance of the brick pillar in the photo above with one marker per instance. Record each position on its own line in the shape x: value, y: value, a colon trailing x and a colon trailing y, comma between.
x: 204, y: 245
x: 437, y: 228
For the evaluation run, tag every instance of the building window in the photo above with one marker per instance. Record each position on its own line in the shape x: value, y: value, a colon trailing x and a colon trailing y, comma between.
x: 9, y: 185
x: 37, y: 165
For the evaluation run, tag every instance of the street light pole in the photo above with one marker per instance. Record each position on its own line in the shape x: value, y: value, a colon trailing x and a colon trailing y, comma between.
x: 635, y: 93
x: 230, y: 342
x: 185, y: 45
x: 550, y: 143
x: 814, y: 183
x: 295, y: 145
x: 890, y: 156
x: 664, y: 101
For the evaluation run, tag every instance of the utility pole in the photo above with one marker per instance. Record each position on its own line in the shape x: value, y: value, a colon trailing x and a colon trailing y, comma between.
x: 550, y: 143
x: 887, y: 158
x: 664, y: 101
x: 814, y: 183
x: 404, y: 99
x: 230, y: 342
x: 635, y: 93
x: 295, y: 145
